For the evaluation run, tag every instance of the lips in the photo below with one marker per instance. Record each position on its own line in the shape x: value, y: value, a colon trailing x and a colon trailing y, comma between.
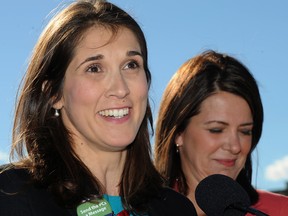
x: 115, y: 113
x: 227, y: 162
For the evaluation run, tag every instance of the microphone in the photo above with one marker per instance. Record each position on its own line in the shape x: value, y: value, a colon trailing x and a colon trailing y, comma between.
x: 220, y: 195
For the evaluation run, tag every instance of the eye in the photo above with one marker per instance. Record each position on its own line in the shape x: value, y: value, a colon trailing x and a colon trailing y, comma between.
x: 215, y: 130
x: 247, y: 132
x: 132, y: 65
x: 94, y: 68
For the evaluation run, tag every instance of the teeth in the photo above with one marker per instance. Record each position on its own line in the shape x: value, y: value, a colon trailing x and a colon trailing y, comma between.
x: 116, y: 113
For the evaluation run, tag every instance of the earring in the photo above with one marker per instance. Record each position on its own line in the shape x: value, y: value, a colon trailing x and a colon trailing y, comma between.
x: 56, y: 113
x: 177, y: 148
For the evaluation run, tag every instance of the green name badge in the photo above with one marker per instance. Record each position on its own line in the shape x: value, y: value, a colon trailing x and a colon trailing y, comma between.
x: 99, y: 207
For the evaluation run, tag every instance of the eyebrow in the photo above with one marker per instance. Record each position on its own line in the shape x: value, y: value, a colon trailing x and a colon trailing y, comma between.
x: 134, y: 53
x: 99, y: 57
x: 225, y: 123
x: 92, y: 58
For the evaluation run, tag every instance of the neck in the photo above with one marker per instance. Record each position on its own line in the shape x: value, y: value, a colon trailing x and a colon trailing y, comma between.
x: 191, y: 197
x: 106, y: 166
x: 192, y: 184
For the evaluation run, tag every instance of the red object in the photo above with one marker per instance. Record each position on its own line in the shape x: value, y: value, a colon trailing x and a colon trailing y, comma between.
x: 123, y: 213
x: 271, y: 203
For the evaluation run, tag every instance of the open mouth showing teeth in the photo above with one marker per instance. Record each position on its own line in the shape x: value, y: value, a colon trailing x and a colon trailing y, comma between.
x: 115, y: 113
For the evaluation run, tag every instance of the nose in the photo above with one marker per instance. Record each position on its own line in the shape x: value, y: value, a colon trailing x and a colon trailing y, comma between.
x: 232, y: 143
x: 117, y: 86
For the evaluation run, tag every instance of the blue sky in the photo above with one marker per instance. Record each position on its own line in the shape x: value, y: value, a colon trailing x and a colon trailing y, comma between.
x: 254, y: 31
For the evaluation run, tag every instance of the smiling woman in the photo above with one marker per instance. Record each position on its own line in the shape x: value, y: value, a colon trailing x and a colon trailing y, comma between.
x: 102, y: 80
x: 224, y: 123
x: 210, y: 121
x: 80, y: 132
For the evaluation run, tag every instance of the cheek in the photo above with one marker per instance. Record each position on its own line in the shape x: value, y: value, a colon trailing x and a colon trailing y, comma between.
x: 77, y: 93
x: 143, y: 99
x: 143, y: 95
x: 202, y: 142
x: 140, y: 90
x: 246, y: 145
x: 143, y: 85
x: 194, y: 143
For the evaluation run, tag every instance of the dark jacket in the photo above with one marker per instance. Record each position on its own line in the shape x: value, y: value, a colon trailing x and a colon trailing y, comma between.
x: 18, y: 197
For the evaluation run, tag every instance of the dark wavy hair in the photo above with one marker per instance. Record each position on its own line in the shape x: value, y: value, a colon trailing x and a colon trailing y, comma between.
x: 196, y: 80
x: 41, y: 142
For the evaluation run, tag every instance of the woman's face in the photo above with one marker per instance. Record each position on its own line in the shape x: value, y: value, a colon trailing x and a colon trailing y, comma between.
x: 105, y: 90
x: 218, y: 139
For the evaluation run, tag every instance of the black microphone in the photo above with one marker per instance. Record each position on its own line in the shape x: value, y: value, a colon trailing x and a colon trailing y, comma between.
x: 220, y: 195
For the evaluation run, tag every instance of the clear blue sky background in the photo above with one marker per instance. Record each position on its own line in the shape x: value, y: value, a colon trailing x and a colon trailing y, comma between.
x: 254, y: 31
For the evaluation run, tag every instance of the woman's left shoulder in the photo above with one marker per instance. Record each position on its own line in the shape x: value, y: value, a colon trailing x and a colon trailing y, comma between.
x: 272, y: 203
x: 269, y: 196
x: 171, y: 203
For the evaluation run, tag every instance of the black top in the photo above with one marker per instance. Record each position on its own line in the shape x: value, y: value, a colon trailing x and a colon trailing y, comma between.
x: 18, y: 197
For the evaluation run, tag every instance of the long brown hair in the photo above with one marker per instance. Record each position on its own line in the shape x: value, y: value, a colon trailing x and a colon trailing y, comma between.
x: 42, y: 144
x: 197, y: 79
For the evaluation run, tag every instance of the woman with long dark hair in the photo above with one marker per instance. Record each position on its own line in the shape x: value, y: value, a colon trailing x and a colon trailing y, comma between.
x: 210, y: 121
x: 80, y: 138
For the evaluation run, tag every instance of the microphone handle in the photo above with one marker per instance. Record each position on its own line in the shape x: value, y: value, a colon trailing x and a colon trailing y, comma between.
x: 248, y: 209
x: 256, y: 212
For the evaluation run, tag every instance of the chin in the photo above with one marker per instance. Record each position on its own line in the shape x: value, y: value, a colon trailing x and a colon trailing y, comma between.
x: 231, y: 175
x: 121, y: 144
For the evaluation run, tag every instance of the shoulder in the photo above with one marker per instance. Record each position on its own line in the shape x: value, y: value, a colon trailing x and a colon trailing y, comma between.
x: 19, y: 196
x: 12, y: 179
x: 170, y: 202
x: 272, y: 203
x: 12, y: 187
x: 269, y: 196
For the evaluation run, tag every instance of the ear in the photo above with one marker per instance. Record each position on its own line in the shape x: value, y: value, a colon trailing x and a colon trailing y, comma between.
x: 179, y: 139
x: 59, y: 104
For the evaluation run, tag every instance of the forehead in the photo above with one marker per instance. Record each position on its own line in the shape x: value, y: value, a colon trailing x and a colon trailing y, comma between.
x: 104, y: 42
x: 225, y: 104
x: 100, y: 35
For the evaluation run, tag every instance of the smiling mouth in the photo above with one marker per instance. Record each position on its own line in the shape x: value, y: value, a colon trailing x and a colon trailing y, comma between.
x: 228, y: 163
x: 115, y: 113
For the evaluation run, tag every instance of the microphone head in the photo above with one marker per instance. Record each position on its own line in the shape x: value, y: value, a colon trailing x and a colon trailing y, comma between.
x: 217, y: 193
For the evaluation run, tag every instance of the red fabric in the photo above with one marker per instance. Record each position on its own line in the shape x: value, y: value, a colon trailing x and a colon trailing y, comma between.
x: 123, y: 213
x: 272, y: 204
